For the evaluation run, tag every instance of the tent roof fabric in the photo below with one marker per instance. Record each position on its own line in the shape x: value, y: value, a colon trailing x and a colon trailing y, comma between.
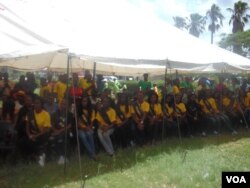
x: 124, y: 44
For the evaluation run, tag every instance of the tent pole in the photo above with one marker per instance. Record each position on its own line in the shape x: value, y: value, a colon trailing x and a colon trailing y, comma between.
x: 94, y: 70
x: 67, y: 110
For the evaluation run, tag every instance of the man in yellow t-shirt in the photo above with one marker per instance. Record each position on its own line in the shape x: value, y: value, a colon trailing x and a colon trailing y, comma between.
x: 87, y: 83
x: 60, y: 87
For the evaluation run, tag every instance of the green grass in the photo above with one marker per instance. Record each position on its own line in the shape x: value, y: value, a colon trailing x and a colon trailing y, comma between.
x: 197, y: 162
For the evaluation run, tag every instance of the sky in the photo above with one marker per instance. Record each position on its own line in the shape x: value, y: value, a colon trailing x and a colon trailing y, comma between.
x: 167, y: 9
x: 73, y: 15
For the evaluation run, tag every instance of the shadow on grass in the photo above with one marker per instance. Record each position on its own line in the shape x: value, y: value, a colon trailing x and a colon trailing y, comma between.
x: 53, y: 175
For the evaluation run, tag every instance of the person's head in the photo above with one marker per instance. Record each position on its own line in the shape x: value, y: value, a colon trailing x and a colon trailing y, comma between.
x: 6, y: 91
x: 145, y: 76
x: 178, y: 98
x: 43, y: 82
x: 192, y: 97
x: 63, y: 104
x: 106, y: 102
x: 122, y: 98
x: 28, y: 100
x: 38, y: 104
x: 140, y: 96
x: 75, y: 79
x: 50, y: 98
x: 22, y: 79
x: 5, y: 76
x: 87, y: 75
x: 85, y: 101
x: 176, y: 81
x: 153, y: 98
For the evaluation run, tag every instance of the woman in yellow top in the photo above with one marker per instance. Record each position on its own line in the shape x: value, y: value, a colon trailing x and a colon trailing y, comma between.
x: 139, y: 111
x: 85, y: 128
x: 212, y: 114
x: 106, y: 118
x: 154, y: 118
x: 122, y: 131
x: 170, y: 125
x: 244, y: 104
x: 38, y: 125
x: 230, y: 106
x: 180, y: 115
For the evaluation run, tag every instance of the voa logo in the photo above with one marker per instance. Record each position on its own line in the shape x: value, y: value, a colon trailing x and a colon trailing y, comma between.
x: 236, y: 179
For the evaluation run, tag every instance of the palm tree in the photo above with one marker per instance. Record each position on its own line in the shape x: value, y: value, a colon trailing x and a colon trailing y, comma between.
x: 180, y: 22
x: 216, y: 18
x: 196, y: 24
x: 239, y: 16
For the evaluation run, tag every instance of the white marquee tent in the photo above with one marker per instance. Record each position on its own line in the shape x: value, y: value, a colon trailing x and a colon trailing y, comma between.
x: 120, y: 39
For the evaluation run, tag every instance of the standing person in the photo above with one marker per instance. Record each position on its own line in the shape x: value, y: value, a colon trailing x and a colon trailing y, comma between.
x: 140, y: 109
x: 145, y: 85
x: 59, y: 125
x: 60, y: 87
x: 106, y: 118
x: 45, y: 89
x: 30, y: 84
x: 85, y: 126
x: 87, y: 83
x: 154, y: 118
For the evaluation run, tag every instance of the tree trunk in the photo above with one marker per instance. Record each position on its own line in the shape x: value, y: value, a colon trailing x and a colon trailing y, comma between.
x: 212, y: 37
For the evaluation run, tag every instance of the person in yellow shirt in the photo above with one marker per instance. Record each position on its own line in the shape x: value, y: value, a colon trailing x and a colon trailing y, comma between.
x: 106, y: 118
x: 45, y: 89
x: 87, y: 83
x: 122, y: 131
x: 154, y: 118
x: 244, y: 104
x: 212, y: 114
x: 170, y: 125
x: 38, y: 125
x: 176, y: 86
x: 139, y: 111
x: 85, y: 126
x: 60, y: 87
x: 230, y: 106
x: 180, y: 115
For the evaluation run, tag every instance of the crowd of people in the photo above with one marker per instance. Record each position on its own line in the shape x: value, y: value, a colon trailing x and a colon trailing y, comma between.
x: 85, y: 110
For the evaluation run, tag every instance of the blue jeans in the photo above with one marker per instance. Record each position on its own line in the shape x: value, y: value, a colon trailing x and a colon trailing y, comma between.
x: 88, y: 141
x: 104, y: 138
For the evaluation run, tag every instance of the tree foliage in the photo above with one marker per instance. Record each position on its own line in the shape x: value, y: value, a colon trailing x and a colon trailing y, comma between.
x: 215, y: 16
x: 241, y: 39
x: 239, y: 16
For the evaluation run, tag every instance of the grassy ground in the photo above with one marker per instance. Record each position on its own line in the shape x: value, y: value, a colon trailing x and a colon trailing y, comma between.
x: 197, y: 162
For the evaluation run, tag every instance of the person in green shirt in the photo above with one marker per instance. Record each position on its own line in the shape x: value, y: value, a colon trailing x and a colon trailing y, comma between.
x: 145, y: 85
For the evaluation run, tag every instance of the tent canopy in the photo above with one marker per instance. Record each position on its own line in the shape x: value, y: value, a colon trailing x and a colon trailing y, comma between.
x: 20, y: 47
x: 121, y: 39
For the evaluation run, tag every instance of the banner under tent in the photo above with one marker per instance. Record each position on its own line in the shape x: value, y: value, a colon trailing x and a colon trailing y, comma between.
x: 120, y: 43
